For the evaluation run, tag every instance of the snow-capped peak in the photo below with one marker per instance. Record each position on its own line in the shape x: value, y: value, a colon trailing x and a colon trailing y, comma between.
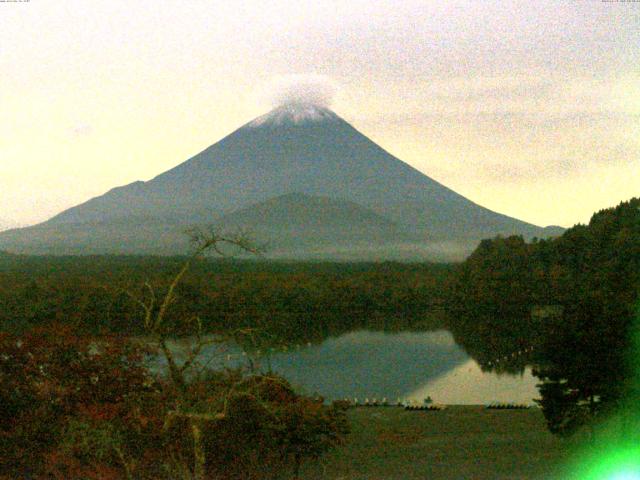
x: 294, y: 113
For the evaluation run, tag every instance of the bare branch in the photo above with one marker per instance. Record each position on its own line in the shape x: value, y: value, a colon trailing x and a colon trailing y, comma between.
x: 210, y: 239
x: 197, y: 349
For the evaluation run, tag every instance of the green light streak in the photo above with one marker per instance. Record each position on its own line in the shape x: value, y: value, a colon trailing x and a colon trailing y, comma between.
x: 617, y: 463
x: 615, y: 455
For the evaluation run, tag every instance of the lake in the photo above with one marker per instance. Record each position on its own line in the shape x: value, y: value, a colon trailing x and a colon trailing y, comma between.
x: 365, y: 364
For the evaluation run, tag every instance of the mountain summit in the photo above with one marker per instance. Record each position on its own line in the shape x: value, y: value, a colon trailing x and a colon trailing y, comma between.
x: 332, y: 171
x: 294, y: 113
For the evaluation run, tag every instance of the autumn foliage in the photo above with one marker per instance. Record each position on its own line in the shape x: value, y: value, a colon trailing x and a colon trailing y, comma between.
x: 74, y: 407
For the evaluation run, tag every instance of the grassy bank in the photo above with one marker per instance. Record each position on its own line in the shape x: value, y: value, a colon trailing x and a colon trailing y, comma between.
x: 461, y: 442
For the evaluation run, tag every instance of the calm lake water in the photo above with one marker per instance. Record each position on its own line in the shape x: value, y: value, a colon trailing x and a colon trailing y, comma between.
x: 367, y: 364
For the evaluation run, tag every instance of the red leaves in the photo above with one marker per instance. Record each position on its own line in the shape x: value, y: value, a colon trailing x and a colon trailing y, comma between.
x: 267, y: 427
x: 62, y: 466
x: 101, y: 412
x: 51, y: 376
x: 76, y: 407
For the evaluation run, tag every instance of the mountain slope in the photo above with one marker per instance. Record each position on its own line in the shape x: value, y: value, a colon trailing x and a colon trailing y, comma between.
x: 295, y: 148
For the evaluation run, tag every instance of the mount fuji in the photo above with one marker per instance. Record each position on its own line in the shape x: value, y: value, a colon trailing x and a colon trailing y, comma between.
x: 301, y: 179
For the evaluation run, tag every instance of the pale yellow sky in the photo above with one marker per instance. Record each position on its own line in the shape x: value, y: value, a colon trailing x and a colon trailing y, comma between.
x: 529, y: 108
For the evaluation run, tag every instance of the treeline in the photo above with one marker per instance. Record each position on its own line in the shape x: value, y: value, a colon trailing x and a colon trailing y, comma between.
x: 287, y: 302
x: 569, y: 303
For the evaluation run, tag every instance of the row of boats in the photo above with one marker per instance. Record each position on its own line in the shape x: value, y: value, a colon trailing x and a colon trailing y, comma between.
x: 427, y: 404
x: 508, y: 406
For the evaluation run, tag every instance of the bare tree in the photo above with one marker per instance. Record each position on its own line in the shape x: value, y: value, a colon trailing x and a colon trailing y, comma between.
x: 160, y: 328
x: 308, y: 432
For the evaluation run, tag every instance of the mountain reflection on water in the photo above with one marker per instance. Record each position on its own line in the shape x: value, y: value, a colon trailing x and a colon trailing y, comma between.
x: 366, y: 364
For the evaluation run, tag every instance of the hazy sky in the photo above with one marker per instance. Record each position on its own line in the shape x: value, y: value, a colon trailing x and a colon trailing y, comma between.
x: 531, y: 108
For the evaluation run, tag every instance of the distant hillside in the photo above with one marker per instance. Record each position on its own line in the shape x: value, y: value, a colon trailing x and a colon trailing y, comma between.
x: 302, y: 150
x: 298, y: 225
x: 300, y: 211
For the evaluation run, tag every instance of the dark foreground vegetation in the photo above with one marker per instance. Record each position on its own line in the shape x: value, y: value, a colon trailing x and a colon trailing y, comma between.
x: 75, y: 407
x: 78, y: 401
